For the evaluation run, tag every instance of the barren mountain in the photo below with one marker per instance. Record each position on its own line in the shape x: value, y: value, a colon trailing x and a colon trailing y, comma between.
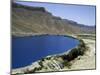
x: 37, y: 20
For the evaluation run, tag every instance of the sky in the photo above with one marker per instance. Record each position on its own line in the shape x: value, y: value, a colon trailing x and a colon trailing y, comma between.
x: 83, y: 14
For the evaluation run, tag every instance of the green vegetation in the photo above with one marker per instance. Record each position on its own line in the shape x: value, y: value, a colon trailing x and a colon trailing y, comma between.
x: 67, y: 64
x: 74, y: 53
x: 80, y: 50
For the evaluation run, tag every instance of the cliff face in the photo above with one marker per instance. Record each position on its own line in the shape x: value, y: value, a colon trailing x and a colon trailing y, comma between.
x: 36, y: 20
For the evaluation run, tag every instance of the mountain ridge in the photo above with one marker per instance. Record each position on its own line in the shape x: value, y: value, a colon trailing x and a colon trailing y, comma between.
x: 27, y: 19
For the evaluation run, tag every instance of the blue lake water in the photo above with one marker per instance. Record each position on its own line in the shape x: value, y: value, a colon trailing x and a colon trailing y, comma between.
x: 26, y: 50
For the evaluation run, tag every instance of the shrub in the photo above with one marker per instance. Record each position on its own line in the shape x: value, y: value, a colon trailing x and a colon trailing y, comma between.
x: 67, y: 64
x: 80, y: 50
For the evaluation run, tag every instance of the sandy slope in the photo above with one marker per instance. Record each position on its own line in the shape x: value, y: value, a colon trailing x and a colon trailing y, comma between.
x: 88, y: 60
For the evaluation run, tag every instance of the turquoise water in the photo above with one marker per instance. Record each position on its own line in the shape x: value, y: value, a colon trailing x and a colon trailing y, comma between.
x: 26, y: 50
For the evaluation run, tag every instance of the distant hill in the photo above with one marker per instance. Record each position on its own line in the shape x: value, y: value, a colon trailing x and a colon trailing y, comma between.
x: 36, y: 20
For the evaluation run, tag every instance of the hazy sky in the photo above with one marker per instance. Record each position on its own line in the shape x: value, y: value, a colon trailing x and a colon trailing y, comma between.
x: 80, y: 13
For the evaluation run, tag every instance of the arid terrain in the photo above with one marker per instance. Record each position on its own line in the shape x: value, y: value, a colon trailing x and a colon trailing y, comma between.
x: 29, y: 21
x: 87, y: 61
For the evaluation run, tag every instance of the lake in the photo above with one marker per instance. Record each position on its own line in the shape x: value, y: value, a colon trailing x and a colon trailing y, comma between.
x: 26, y: 50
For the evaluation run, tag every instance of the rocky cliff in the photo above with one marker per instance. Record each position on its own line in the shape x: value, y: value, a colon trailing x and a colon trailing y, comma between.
x: 28, y: 20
